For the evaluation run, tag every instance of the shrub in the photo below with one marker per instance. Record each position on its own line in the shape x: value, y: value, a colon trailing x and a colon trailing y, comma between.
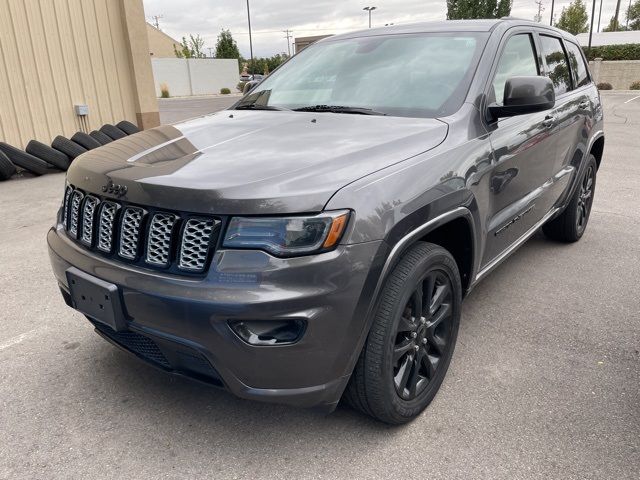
x: 164, y: 91
x: 635, y: 85
x: 604, y: 86
x: 240, y: 86
x: 630, y: 51
x: 225, y: 91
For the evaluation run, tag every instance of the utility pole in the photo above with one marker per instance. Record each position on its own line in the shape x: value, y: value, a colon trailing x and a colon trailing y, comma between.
x: 600, y: 14
x: 250, y: 40
x: 156, y: 20
x: 538, y: 17
x: 552, y: 5
x: 369, y: 9
x: 593, y: 14
x: 288, y: 33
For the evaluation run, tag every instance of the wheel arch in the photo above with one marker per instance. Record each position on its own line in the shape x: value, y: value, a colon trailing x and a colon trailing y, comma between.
x: 454, y: 230
x: 597, y: 149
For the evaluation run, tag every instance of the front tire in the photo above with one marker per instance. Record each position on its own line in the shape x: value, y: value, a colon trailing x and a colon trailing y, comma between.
x: 411, y: 342
x: 571, y: 224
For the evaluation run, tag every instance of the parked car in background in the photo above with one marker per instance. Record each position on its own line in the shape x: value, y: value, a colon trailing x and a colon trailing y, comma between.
x: 248, y: 77
x: 315, y: 241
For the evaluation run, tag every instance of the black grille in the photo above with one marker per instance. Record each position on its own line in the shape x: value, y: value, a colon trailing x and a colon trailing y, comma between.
x: 138, y: 344
x: 179, y: 358
x: 180, y: 242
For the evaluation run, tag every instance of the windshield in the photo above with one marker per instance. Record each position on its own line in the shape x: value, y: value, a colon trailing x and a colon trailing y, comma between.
x: 414, y: 75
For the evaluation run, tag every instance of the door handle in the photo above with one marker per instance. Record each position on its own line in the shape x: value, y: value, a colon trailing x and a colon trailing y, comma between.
x: 584, y: 105
x: 549, y: 121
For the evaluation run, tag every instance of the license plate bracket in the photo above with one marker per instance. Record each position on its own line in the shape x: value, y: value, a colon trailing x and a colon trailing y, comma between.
x: 96, y: 298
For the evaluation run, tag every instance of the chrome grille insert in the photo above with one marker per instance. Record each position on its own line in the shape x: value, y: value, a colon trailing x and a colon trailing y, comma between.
x: 106, y: 226
x: 65, y: 206
x: 196, y: 241
x: 159, y: 245
x: 88, y: 216
x: 108, y: 214
x: 130, y: 232
x: 74, y: 220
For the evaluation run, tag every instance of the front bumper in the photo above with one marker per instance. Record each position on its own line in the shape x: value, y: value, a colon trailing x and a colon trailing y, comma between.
x: 187, y: 319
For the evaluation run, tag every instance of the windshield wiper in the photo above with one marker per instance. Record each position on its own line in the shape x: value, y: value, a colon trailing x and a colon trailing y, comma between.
x: 338, y: 109
x: 255, y: 106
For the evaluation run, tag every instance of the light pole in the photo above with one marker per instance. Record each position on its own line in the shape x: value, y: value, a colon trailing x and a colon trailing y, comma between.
x: 593, y: 14
x: 600, y: 14
x: 369, y: 9
x: 552, y: 5
x: 250, y: 40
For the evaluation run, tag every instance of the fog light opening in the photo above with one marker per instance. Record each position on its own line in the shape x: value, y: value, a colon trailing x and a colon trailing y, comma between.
x: 269, y: 332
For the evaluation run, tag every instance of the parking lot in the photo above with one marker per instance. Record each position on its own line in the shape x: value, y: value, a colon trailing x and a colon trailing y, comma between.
x: 544, y: 383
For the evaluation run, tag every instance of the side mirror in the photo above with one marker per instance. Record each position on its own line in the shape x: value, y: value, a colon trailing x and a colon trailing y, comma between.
x: 524, y: 95
x: 249, y: 86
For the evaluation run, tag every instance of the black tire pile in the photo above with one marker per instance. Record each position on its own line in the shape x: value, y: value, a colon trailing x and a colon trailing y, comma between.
x: 40, y: 159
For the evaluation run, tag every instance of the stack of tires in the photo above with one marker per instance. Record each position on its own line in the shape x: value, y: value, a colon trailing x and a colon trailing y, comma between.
x: 40, y: 159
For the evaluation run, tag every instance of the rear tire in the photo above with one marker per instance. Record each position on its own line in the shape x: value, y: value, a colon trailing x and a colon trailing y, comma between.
x: 48, y: 154
x: 113, y: 132
x: 571, y: 224
x: 85, y: 140
x: 127, y: 127
x: 69, y: 148
x: 24, y: 160
x: 411, y: 342
x: 7, y: 169
x: 100, y: 137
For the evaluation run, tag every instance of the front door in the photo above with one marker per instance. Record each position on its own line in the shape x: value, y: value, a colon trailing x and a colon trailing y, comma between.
x: 524, y: 151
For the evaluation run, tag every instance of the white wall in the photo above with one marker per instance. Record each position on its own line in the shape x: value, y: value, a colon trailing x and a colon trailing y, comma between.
x: 609, y: 38
x: 186, y: 77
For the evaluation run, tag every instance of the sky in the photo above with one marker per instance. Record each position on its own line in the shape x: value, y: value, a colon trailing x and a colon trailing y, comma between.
x: 270, y: 18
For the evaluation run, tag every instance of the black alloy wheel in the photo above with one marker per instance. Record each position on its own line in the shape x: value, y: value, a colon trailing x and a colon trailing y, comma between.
x: 410, y: 344
x: 423, y: 334
x: 570, y: 225
x: 585, y: 199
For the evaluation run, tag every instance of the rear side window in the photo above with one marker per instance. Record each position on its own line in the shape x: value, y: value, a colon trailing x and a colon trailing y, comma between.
x: 578, y: 66
x: 557, y: 64
x: 518, y: 59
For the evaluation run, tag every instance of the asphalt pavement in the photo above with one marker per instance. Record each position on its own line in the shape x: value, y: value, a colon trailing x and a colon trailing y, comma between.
x: 544, y: 383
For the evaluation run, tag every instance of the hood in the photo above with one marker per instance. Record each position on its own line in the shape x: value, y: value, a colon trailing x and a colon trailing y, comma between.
x: 253, y: 162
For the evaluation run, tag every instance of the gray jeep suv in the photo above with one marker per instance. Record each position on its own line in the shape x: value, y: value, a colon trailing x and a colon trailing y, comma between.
x: 315, y: 241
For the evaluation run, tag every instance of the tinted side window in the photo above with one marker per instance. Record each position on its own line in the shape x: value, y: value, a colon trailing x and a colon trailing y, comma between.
x: 577, y: 64
x: 518, y: 59
x: 557, y: 62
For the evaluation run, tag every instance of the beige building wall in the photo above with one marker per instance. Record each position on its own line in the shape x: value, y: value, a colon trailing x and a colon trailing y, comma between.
x: 619, y: 73
x: 161, y: 45
x: 55, y: 54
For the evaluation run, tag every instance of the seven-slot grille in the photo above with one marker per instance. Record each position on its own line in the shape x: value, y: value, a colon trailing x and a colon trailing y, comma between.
x: 159, y: 239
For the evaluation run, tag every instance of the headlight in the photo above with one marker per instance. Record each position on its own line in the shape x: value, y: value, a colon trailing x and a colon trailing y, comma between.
x: 287, y: 236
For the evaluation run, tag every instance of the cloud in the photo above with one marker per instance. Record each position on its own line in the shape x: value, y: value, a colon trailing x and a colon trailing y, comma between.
x: 269, y: 18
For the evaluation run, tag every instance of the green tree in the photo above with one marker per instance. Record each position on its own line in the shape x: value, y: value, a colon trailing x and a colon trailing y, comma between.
x: 574, y: 18
x: 467, y: 9
x: 264, y: 66
x: 226, y: 46
x: 633, y: 16
x: 614, y: 26
x: 190, y: 47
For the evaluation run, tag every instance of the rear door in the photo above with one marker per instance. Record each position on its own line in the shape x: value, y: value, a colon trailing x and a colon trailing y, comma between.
x: 571, y: 112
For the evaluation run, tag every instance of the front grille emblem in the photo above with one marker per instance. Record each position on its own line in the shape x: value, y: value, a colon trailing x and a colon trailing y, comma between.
x: 115, y: 189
